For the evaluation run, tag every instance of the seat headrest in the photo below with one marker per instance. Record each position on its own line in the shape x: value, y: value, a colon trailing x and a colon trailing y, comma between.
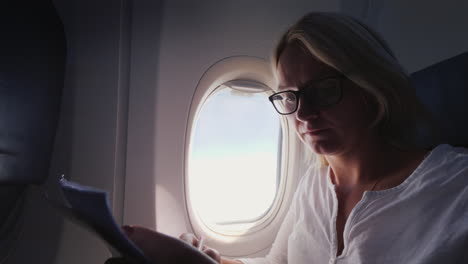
x: 32, y: 62
x: 443, y: 89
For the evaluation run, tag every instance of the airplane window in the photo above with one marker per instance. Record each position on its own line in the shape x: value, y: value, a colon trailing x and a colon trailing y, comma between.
x: 234, y: 159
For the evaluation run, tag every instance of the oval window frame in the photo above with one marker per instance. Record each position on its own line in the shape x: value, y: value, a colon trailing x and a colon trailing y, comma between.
x: 261, y: 237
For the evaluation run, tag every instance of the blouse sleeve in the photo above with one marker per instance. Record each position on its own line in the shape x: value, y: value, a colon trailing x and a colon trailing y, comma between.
x: 279, y: 250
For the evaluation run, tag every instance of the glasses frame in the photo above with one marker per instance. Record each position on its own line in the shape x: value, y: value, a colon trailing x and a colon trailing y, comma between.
x: 310, y: 84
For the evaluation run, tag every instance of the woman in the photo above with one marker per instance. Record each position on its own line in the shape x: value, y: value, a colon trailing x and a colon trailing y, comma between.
x: 375, y: 197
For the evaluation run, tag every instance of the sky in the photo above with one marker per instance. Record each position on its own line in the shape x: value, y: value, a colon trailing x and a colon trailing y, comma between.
x: 233, y: 159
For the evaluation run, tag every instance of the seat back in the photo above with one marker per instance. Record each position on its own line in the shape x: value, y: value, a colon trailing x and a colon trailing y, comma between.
x: 32, y: 63
x: 32, y: 58
x: 443, y: 88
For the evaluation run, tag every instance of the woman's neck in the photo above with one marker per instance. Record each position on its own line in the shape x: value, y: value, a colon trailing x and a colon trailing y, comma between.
x: 372, y: 162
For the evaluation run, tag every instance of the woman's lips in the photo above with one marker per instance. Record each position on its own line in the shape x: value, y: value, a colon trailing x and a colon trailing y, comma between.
x: 315, y: 132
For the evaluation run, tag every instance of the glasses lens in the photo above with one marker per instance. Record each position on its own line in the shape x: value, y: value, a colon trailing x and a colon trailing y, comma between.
x: 284, y: 102
x: 327, y: 92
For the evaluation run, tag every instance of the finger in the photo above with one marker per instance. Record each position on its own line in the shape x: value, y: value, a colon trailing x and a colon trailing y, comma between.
x: 200, y: 245
x: 189, y: 238
x: 213, y: 253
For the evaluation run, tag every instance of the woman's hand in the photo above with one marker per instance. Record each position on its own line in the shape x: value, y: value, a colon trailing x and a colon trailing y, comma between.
x: 161, y: 248
x: 191, y: 239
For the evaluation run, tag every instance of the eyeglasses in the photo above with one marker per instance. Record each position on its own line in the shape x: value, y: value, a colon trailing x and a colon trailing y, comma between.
x: 319, y: 93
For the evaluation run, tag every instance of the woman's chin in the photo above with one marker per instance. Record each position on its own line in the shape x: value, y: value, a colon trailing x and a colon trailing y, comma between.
x: 323, y: 147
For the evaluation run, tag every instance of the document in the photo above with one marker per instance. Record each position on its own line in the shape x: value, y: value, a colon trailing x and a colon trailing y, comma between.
x: 89, y: 208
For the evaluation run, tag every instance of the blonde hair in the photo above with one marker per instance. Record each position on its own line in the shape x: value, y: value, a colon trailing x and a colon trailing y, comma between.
x: 357, y: 51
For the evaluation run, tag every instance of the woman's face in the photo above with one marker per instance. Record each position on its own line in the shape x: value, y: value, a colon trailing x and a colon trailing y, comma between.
x: 331, y: 130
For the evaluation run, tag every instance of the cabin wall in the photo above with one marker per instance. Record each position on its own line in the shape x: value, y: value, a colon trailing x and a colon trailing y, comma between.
x: 132, y: 68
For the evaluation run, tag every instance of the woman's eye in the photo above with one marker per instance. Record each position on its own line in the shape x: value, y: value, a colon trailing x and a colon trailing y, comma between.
x: 290, y: 98
x: 277, y: 98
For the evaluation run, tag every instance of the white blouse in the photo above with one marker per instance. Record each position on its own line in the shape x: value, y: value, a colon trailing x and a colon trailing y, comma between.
x: 422, y: 220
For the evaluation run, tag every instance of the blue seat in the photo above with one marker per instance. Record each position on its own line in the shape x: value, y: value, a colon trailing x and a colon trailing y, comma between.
x: 32, y: 65
x: 443, y: 88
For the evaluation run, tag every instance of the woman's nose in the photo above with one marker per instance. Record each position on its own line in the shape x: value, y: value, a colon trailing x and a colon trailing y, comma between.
x: 306, y: 110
